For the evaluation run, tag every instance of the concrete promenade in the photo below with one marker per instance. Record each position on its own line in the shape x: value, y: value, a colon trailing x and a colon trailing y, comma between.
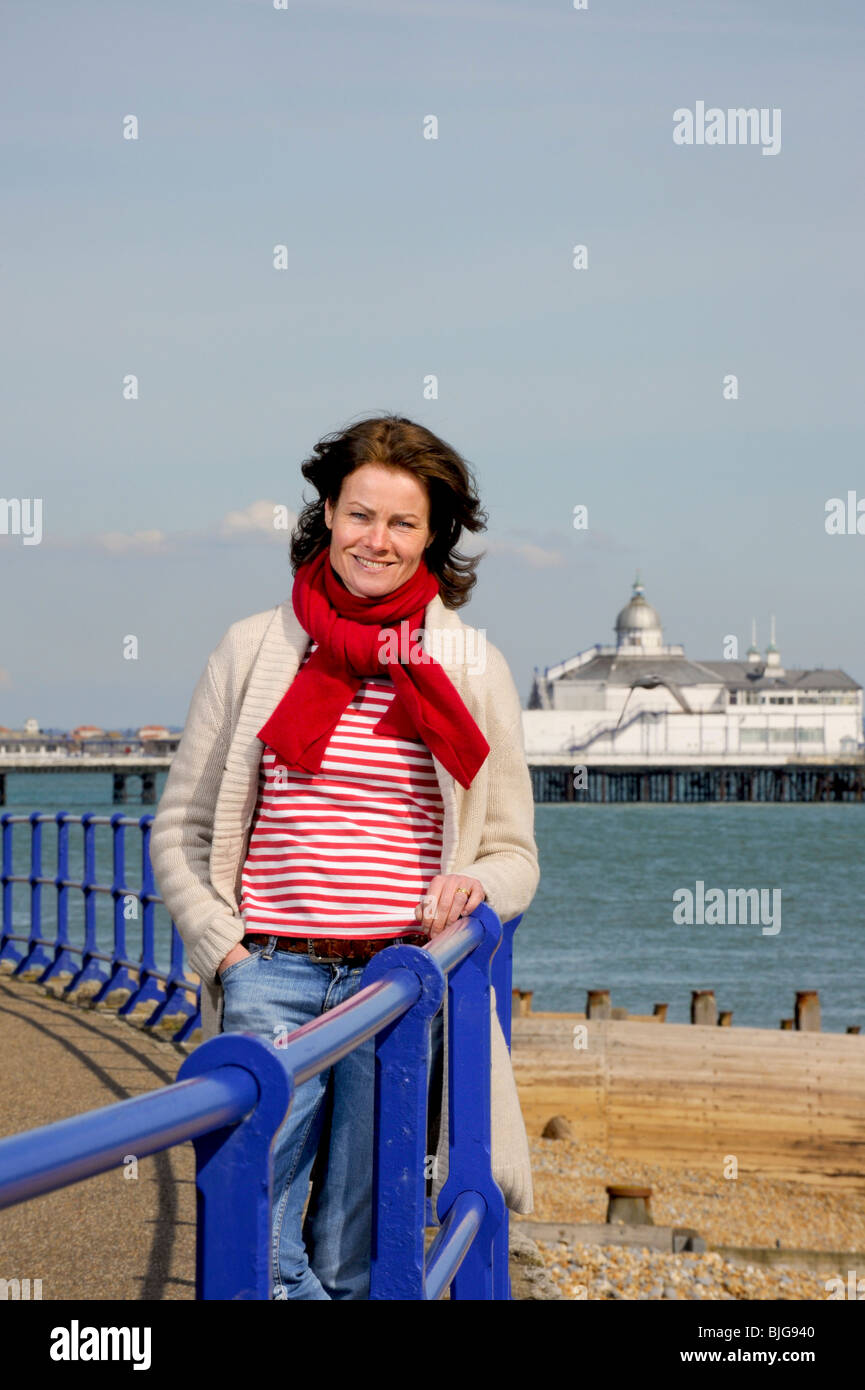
x: 111, y: 1237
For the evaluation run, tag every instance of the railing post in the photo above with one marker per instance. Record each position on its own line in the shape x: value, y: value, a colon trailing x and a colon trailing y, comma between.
x: 172, y: 999
x: 502, y: 975
x: 8, y: 949
x: 176, y: 985
x: 36, y: 957
x: 90, y: 968
x: 234, y: 1174
x: 120, y: 976
x: 502, y: 979
x: 64, y: 962
x: 402, y: 1056
x: 149, y: 986
x: 480, y: 1276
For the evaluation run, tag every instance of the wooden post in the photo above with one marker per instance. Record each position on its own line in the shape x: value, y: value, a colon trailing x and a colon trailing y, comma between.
x: 598, y: 1003
x: 725, y: 1018
x: 807, y: 1011
x: 703, y: 1006
x: 521, y: 1002
x: 660, y: 1012
x: 629, y: 1206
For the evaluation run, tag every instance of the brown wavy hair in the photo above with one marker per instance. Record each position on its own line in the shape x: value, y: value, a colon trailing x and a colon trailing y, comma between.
x: 394, y: 442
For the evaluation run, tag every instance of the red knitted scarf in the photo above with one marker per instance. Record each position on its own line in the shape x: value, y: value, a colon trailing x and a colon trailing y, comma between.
x: 349, y: 632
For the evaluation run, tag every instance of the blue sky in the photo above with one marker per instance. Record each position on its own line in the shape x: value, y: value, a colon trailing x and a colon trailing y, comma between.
x: 408, y: 257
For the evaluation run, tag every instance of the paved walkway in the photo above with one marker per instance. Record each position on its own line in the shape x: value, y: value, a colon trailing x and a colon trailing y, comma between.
x: 111, y: 1237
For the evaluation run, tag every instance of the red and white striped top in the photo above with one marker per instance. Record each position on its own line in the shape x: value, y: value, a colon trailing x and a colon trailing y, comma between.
x: 348, y: 851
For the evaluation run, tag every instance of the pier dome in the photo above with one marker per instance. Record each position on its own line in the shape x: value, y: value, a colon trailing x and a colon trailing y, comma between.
x: 638, y: 623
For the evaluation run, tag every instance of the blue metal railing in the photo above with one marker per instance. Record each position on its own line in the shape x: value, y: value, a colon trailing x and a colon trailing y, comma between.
x: 168, y: 990
x: 232, y: 1093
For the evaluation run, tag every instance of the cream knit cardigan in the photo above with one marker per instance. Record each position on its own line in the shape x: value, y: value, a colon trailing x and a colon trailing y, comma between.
x: 201, y: 830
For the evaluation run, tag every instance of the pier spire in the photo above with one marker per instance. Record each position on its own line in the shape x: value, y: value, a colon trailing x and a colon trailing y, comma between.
x: 773, y: 656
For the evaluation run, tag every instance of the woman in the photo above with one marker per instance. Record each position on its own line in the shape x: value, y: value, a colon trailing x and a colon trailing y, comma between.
x: 337, y: 790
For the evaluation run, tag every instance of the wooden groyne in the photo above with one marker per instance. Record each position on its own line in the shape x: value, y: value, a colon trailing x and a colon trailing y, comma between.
x: 787, y: 1105
x: 805, y: 1015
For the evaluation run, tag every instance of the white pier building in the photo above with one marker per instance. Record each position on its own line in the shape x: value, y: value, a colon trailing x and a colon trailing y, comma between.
x: 642, y: 702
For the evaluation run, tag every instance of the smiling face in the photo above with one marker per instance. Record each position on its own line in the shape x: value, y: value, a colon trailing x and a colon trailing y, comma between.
x: 382, y: 515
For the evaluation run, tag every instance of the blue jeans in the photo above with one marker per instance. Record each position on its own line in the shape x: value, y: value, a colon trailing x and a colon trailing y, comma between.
x: 327, y: 1137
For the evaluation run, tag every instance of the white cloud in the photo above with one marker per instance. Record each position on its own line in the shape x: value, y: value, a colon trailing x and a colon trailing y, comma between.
x: 535, y: 556
x: 267, y: 518
x: 121, y: 542
x: 262, y: 520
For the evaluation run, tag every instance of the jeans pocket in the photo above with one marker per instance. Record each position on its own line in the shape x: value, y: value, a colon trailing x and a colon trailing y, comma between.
x: 236, y: 965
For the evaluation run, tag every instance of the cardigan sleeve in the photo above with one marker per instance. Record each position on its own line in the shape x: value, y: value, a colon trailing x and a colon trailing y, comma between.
x: 182, y: 833
x: 507, y: 858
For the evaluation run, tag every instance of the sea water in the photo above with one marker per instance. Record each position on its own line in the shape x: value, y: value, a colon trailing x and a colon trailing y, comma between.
x: 603, y: 915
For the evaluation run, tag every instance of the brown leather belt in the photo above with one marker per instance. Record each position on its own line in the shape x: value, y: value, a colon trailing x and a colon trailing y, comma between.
x: 335, y: 948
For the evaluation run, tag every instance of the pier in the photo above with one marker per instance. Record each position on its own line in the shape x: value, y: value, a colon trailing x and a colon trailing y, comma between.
x: 602, y: 783
x: 608, y: 783
x: 120, y: 768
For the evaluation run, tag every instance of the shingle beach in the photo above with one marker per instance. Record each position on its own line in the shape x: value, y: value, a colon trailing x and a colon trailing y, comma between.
x: 570, y: 1181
